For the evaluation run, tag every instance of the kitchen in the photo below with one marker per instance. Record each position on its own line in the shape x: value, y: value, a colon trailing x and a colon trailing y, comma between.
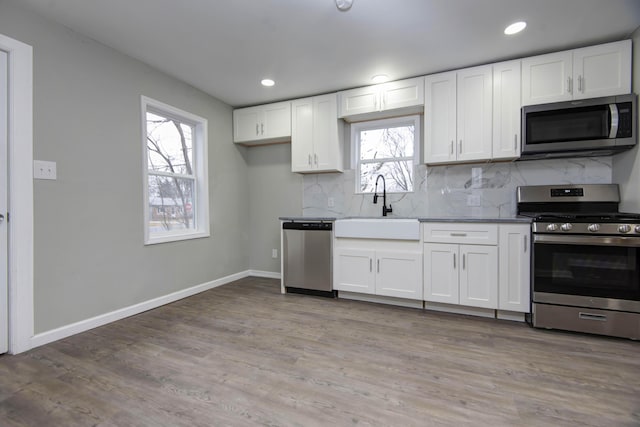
x: 82, y: 271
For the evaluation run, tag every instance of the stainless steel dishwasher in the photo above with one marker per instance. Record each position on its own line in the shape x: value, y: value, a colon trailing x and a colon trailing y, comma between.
x: 307, y: 251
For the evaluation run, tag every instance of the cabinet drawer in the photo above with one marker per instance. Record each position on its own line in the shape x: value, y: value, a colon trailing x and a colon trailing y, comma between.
x: 464, y: 233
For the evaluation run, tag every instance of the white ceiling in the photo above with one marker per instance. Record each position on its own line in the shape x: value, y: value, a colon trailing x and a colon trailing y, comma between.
x: 225, y: 47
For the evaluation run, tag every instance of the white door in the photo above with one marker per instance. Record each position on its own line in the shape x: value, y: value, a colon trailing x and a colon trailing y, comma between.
x: 479, y: 276
x: 353, y: 271
x: 602, y: 70
x: 547, y: 78
x: 474, y: 101
x: 441, y: 263
x: 302, y: 135
x: 440, y: 118
x: 506, y: 110
x: 399, y: 274
x: 4, y: 100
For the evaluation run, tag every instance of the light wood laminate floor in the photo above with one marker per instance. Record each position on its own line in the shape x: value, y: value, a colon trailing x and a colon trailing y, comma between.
x: 243, y: 354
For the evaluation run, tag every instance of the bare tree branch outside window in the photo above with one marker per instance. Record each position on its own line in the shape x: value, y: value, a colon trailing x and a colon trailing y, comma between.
x: 170, y: 175
x: 387, y: 151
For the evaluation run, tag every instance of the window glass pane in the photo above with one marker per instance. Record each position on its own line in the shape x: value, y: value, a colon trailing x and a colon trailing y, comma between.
x: 398, y: 176
x: 171, y: 204
x: 387, y: 142
x: 169, y: 145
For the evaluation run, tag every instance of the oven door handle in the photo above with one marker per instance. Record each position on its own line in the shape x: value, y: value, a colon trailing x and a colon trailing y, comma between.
x: 633, y: 242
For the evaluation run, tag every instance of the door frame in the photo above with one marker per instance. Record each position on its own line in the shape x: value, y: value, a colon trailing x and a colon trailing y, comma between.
x: 20, y: 222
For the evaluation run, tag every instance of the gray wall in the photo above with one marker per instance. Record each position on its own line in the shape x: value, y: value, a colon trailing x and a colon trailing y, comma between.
x: 626, y: 166
x: 274, y: 192
x: 89, y: 252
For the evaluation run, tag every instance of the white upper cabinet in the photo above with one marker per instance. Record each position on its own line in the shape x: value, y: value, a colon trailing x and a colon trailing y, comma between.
x: 458, y: 115
x: 506, y: 110
x: 601, y: 70
x: 316, y: 135
x: 547, y: 78
x: 475, y: 92
x: 378, y: 101
x: 262, y: 124
x: 440, y: 118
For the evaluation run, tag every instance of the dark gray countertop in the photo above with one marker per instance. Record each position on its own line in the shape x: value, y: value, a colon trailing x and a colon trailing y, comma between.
x: 515, y: 219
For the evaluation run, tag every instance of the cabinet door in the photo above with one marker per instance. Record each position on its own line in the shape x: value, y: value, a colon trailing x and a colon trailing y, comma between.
x: 402, y: 94
x: 353, y: 271
x: 602, y: 70
x: 276, y: 121
x: 547, y: 78
x: 506, y: 110
x: 327, y: 141
x: 440, y: 118
x: 474, y: 112
x: 302, y: 135
x: 246, y: 124
x: 514, y: 267
x: 479, y: 276
x: 359, y: 101
x: 441, y: 273
x: 398, y: 274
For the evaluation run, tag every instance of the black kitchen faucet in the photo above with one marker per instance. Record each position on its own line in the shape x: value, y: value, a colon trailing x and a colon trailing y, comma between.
x: 385, y: 210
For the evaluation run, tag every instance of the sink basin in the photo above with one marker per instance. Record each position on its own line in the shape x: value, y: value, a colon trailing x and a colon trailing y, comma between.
x: 378, y: 228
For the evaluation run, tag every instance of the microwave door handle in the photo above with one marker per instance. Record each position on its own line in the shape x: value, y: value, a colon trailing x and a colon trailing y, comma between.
x: 613, y: 108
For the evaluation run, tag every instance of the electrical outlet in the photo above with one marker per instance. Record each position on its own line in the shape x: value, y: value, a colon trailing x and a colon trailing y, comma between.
x: 44, y: 170
x: 274, y: 253
x: 331, y: 203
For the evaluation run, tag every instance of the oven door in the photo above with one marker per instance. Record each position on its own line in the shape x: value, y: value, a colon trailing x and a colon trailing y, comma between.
x: 588, y: 271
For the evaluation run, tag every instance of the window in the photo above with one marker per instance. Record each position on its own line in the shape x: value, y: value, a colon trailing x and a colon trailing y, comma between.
x: 175, y: 173
x: 386, y: 147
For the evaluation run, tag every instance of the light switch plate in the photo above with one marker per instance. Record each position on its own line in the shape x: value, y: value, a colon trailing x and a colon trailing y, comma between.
x: 44, y: 170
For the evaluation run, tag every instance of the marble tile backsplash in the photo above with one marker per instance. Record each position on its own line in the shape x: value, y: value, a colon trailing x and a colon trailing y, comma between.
x: 445, y: 191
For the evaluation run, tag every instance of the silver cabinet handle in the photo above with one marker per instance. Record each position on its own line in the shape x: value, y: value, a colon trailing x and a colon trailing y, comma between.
x: 1, y: 217
x: 452, y: 147
x: 525, y: 244
x: 370, y: 265
x: 464, y: 259
x: 378, y: 267
x: 458, y: 234
x: 262, y: 128
x: 568, y: 84
x: 309, y: 161
x: 454, y: 261
x: 460, y: 147
x: 315, y: 159
x: 580, y: 84
x: 257, y: 129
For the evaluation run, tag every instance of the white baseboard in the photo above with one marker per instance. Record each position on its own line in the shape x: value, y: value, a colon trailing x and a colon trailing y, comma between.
x: 265, y: 274
x: 84, y: 325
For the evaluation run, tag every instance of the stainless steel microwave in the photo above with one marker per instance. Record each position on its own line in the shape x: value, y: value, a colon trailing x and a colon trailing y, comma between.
x: 589, y: 127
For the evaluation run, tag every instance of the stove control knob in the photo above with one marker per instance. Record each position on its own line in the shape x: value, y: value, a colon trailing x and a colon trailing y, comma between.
x: 593, y: 227
x: 552, y: 227
x: 637, y: 228
x: 566, y: 227
x: 624, y: 228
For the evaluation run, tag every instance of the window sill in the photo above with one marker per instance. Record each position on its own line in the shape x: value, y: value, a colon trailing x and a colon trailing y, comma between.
x: 166, y: 238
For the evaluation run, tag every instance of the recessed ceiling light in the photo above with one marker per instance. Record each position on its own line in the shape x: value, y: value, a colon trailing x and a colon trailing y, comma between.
x: 344, y: 4
x: 267, y: 82
x: 380, y: 78
x: 515, y: 28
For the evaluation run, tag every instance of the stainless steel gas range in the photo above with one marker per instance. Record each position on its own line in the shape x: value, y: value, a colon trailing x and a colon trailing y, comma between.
x: 586, y: 259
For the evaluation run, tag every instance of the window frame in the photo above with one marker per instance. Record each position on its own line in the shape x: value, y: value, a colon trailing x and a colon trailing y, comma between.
x: 199, y: 159
x: 356, y: 162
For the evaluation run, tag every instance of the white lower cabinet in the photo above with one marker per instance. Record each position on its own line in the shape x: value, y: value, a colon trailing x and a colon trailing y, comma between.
x: 461, y: 274
x: 515, y: 267
x: 378, y: 267
x: 461, y: 264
